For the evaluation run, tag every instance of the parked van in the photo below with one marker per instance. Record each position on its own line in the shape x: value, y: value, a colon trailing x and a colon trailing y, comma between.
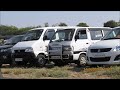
x: 33, y: 48
x: 71, y: 44
x: 106, y: 51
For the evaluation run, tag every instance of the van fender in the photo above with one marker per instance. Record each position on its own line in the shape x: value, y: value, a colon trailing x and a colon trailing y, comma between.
x: 76, y: 55
x: 40, y: 52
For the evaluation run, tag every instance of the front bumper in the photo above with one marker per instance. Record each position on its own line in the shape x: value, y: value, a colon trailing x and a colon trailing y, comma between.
x: 24, y: 56
x: 104, y: 58
x: 66, y: 55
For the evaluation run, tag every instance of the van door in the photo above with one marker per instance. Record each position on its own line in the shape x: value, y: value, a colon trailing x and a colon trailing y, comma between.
x: 82, y: 42
x: 47, y: 36
x: 95, y: 34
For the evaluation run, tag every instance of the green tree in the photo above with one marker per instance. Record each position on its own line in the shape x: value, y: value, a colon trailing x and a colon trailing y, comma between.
x: 39, y: 26
x: 7, y: 30
x: 111, y: 24
x: 54, y: 25
x: 118, y: 23
x: 23, y: 30
x: 82, y: 25
x: 62, y: 24
x: 12, y: 30
x: 46, y: 24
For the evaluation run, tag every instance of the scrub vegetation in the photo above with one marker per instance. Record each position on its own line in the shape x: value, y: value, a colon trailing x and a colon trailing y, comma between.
x: 64, y: 72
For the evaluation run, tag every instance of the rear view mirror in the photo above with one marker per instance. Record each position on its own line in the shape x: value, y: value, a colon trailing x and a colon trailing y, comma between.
x: 76, y: 37
x: 45, y: 38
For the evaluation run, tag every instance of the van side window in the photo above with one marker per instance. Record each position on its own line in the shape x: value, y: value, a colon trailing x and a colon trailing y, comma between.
x: 49, y: 33
x: 96, y: 34
x: 82, y: 34
x: 106, y: 31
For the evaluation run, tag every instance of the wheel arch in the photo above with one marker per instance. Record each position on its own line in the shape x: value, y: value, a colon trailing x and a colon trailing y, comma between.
x: 41, y: 54
x: 85, y: 53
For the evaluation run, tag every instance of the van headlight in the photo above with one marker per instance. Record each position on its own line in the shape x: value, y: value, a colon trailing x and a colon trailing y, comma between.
x: 117, y: 48
x: 67, y: 48
x: 29, y: 49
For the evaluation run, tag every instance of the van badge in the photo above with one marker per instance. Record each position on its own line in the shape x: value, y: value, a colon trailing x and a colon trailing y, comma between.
x: 98, y: 50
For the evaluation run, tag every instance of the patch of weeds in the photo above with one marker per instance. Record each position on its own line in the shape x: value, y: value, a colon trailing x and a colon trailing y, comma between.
x: 114, y: 72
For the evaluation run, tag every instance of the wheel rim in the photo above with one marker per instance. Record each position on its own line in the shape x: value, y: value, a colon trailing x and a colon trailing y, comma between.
x: 41, y: 61
x: 83, y: 60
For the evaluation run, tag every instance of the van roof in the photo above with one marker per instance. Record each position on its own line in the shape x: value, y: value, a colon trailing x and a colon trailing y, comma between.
x: 66, y: 27
x: 47, y: 28
x: 116, y: 27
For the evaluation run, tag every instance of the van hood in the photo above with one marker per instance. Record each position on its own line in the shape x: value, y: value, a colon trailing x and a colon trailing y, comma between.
x: 106, y: 44
x: 24, y: 44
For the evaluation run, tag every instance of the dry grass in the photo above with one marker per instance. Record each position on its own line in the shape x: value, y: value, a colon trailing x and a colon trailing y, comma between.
x: 35, y: 73
x: 65, y: 72
x: 114, y: 72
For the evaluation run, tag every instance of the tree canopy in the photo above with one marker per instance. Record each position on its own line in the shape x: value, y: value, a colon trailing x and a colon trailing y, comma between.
x: 83, y: 24
x: 62, y: 24
x: 111, y: 24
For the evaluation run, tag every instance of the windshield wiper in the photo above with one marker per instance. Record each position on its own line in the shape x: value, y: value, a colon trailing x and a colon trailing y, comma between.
x: 110, y: 38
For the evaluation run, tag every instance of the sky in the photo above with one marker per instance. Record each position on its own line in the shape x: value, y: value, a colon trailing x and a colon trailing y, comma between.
x: 72, y: 18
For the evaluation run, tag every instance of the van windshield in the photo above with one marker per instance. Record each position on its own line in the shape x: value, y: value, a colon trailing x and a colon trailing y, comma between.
x: 63, y: 35
x: 32, y: 35
x: 113, y: 34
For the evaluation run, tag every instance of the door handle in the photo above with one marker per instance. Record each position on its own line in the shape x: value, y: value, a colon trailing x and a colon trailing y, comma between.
x: 87, y: 43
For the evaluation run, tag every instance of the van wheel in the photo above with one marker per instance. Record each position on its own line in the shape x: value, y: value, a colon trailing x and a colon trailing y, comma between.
x: 82, y: 61
x: 41, y: 61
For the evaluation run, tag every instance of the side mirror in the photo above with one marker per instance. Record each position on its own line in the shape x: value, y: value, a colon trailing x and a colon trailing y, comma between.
x: 76, y: 37
x: 44, y: 38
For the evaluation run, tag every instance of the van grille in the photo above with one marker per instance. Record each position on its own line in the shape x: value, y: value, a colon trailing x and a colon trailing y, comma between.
x: 100, y: 50
x: 101, y: 59
x: 19, y: 51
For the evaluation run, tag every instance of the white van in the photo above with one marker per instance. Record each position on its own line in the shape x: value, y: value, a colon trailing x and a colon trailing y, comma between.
x: 33, y: 48
x: 71, y: 44
x: 106, y: 51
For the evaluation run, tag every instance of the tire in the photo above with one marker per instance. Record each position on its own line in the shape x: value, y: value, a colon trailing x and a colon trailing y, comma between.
x: 82, y: 61
x: 41, y: 61
x: 0, y: 64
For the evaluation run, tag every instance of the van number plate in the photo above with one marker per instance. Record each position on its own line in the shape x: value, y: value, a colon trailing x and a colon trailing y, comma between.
x: 55, y: 57
x: 18, y: 59
x: 99, y: 55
